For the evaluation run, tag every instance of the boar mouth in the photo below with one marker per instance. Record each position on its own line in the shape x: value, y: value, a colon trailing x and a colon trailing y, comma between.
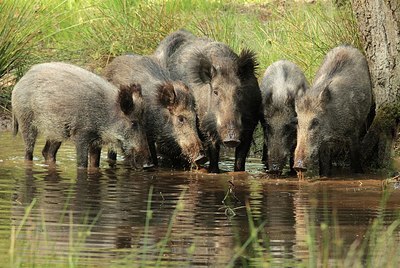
x: 149, y: 165
x: 275, y: 168
x: 300, y: 166
x: 200, y: 159
x: 274, y: 172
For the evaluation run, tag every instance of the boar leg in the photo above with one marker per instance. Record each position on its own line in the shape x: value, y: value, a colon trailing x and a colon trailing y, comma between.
x: 242, y: 150
x: 153, y: 151
x: 29, y: 135
x: 292, y: 171
x: 50, y: 150
x: 264, y: 159
x: 94, y: 156
x: 213, y: 152
x: 82, y: 151
x: 325, y: 162
x: 355, y: 155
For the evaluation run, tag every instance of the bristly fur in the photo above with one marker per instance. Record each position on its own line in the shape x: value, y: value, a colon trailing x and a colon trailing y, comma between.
x: 166, y: 95
x: 200, y: 67
x: 341, y: 61
x: 125, y: 97
x: 174, y: 45
x: 247, y: 63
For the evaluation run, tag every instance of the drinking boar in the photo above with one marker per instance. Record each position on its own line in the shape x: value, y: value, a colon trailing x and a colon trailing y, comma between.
x: 170, y: 107
x: 225, y: 89
x: 62, y: 101
x: 333, y: 111
x: 282, y: 84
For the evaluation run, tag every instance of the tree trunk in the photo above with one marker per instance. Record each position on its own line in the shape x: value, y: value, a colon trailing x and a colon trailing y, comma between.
x: 379, y: 24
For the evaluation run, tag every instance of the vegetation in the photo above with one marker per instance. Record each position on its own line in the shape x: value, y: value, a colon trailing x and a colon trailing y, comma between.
x: 90, y: 32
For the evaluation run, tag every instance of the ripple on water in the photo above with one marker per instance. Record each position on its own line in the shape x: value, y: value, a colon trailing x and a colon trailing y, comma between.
x: 195, y: 219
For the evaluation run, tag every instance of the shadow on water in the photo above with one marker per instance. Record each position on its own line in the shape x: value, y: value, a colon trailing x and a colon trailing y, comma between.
x: 102, y: 217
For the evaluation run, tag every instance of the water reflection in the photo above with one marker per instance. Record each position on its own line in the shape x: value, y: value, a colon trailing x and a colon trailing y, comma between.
x: 102, y: 217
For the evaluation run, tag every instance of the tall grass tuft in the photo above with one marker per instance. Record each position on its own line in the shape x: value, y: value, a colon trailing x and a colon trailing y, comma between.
x: 117, y: 27
x: 304, y: 33
x: 23, y: 27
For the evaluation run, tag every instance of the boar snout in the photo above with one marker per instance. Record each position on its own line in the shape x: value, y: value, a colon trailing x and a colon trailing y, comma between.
x: 299, y: 165
x: 275, y: 168
x: 231, y: 138
x: 200, y: 159
x: 148, y: 165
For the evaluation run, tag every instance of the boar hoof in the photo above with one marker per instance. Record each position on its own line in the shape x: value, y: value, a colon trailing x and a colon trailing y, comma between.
x: 231, y: 143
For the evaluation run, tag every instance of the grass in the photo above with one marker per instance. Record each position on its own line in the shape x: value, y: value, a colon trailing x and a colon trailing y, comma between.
x: 90, y: 32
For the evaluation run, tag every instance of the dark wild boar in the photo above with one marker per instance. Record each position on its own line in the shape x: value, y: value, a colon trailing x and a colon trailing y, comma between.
x: 225, y: 89
x: 333, y: 112
x: 170, y: 108
x: 61, y: 101
x: 282, y: 84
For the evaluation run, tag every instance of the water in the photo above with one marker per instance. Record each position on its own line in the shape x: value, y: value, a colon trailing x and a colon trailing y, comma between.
x: 101, y: 217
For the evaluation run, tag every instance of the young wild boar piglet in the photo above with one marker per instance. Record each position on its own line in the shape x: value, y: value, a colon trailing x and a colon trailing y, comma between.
x: 333, y: 112
x: 282, y: 84
x: 170, y: 109
x: 61, y: 101
x: 225, y: 89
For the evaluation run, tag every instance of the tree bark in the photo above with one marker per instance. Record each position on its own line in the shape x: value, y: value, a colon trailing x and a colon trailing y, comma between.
x: 379, y: 24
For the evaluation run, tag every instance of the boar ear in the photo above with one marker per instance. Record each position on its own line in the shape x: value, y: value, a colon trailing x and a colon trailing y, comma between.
x: 136, y: 90
x: 301, y: 91
x: 166, y: 95
x: 125, y: 97
x: 289, y: 100
x: 268, y: 98
x: 201, y: 68
x: 206, y: 71
x: 325, y: 95
x: 247, y: 63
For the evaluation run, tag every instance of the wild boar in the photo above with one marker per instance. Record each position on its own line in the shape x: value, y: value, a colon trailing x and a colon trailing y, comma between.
x: 62, y: 101
x: 225, y: 89
x: 282, y: 84
x: 170, y: 108
x: 333, y: 111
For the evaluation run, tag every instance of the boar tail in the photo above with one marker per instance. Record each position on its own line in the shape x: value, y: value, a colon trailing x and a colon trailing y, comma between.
x: 14, y: 124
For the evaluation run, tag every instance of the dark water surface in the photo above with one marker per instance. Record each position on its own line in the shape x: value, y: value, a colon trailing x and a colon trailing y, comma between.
x: 101, y: 218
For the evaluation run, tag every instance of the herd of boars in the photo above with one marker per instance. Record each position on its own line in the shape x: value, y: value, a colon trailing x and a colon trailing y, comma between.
x: 190, y: 97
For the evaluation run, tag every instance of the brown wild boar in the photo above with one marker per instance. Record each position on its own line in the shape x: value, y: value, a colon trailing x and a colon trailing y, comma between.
x: 225, y: 89
x: 169, y: 107
x: 333, y: 111
x: 61, y: 101
x: 282, y: 84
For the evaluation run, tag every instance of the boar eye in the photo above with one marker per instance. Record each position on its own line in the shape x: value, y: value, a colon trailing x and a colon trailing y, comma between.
x: 134, y: 124
x: 314, y: 123
x: 268, y: 128
x: 215, y: 92
x: 181, y: 119
x: 288, y: 128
